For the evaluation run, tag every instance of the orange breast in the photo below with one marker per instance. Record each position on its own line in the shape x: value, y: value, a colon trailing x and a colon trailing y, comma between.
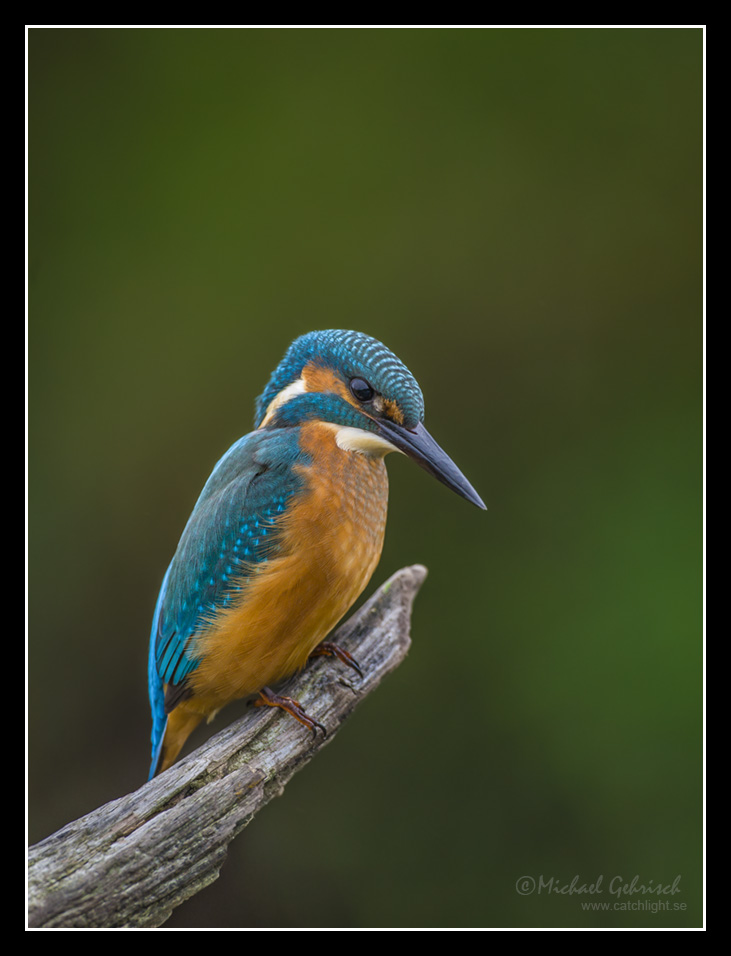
x: 331, y: 541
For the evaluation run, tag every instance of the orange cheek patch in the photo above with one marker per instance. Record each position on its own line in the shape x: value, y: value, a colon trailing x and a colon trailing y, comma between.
x: 317, y: 378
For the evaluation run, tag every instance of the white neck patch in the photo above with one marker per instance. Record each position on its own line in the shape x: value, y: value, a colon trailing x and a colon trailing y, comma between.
x: 295, y: 388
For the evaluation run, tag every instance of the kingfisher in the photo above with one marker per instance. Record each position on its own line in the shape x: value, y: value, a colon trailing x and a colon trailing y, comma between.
x: 286, y: 533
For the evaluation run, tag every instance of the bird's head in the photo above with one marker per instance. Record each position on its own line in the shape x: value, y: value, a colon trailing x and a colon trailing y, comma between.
x: 355, y: 383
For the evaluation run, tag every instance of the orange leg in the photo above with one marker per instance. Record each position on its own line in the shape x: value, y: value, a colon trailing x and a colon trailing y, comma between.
x: 328, y: 649
x: 269, y: 699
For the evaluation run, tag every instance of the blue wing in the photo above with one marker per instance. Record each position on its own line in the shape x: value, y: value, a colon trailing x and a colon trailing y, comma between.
x: 230, y: 530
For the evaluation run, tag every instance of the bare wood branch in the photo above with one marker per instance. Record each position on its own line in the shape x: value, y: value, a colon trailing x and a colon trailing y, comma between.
x: 132, y: 861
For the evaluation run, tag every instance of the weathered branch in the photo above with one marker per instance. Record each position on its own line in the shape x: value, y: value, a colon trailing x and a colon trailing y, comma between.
x: 132, y: 861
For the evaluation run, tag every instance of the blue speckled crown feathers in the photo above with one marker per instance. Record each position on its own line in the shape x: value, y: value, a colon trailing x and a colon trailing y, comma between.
x: 354, y: 354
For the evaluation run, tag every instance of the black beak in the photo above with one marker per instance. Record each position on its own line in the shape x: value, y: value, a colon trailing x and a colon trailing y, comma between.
x: 418, y: 444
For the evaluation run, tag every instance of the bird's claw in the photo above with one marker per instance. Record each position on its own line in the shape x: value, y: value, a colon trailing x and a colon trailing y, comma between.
x: 329, y: 649
x: 267, y: 698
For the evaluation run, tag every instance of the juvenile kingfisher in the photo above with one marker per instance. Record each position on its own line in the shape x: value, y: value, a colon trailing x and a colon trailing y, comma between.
x: 286, y: 533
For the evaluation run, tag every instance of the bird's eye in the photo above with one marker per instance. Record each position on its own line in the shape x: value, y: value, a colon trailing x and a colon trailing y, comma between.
x: 361, y: 389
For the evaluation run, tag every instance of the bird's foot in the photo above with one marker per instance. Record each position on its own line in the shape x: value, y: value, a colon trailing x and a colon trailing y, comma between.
x: 328, y: 649
x: 267, y: 698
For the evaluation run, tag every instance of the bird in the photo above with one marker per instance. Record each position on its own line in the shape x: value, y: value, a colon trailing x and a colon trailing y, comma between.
x: 285, y: 534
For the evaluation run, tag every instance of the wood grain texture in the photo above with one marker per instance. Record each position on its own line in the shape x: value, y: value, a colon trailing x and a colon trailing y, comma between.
x: 132, y: 861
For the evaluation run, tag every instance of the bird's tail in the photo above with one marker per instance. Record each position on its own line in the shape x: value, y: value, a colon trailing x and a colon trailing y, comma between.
x: 179, y: 725
x: 157, y: 706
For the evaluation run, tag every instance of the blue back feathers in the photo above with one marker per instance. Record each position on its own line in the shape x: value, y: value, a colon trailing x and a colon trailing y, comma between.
x: 230, y: 528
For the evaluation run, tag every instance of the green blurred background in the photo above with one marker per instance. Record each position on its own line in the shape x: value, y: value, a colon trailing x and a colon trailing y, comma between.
x: 518, y: 215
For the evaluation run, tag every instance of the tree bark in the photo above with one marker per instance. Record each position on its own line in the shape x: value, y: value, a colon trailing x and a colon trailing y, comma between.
x: 132, y: 861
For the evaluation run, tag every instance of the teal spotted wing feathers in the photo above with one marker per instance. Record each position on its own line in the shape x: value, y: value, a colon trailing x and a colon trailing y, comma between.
x: 231, y: 529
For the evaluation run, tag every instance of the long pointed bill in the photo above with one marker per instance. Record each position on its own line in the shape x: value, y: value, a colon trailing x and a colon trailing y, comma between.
x: 419, y: 445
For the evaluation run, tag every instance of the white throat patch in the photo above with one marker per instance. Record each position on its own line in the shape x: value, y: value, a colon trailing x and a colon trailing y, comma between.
x: 358, y: 439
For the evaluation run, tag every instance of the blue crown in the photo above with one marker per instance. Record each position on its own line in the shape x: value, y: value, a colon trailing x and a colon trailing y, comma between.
x: 352, y: 355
